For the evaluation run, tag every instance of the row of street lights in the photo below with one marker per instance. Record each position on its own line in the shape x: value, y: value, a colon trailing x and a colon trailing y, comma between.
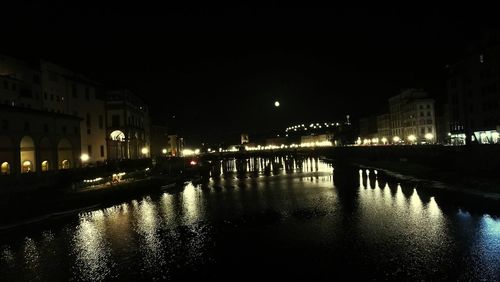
x: 396, y: 139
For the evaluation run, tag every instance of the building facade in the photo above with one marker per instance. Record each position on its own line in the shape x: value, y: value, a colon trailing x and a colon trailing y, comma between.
x: 159, y: 141
x: 70, y: 93
x: 384, y: 131
x: 37, y: 141
x: 473, y: 91
x: 47, y: 87
x: 128, y: 126
x: 413, y: 117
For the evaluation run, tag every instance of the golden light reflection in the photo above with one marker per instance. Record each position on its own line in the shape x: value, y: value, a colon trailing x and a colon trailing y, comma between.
x: 190, y: 203
x: 383, y: 215
x: 167, y: 209
x: 31, y: 254
x: 91, y: 249
x: 147, y: 224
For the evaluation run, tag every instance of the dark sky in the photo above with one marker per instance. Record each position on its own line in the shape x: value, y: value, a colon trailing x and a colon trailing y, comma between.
x: 220, y: 70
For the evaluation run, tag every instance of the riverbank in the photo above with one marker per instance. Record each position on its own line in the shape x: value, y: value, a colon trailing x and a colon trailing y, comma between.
x: 27, y: 208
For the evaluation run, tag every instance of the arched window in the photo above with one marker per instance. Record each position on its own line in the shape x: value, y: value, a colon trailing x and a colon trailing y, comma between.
x: 27, y: 154
x: 65, y: 164
x: 117, y: 135
x: 5, y: 168
x: 27, y: 167
x: 45, y: 166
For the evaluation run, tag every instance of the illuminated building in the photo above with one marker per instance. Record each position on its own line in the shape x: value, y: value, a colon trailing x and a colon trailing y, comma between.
x: 473, y: 87
x: 68, y: 92
x: 128, y: 125
x: 32, y: 140
x: 47, y: 87
x: 175, y: 145
x: 412, y: 113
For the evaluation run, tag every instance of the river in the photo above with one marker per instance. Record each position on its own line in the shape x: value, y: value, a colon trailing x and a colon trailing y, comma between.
x: 312, y: 222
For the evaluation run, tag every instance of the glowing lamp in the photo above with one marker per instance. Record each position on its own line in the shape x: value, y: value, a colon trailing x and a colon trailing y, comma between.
x: 84, y: 157
x: 144, y: 151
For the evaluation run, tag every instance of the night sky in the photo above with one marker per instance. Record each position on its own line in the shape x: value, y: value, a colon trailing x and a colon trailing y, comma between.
x: 219, y: 71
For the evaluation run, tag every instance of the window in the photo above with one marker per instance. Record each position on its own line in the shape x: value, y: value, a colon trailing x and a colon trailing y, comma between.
x: 88, y: 131
x: 88, y: 120
x: 102, y: 150
x: 52, y: 76
x: 421, y: 107
x: 421, y: 114
x: 422, y: 130
x: 75, y: 95
x: 89, y: 150
x: 101, y: 122
x: 115, y: 120
x: 428, y: 114
x: 428, y: 106
x: 429, y: 129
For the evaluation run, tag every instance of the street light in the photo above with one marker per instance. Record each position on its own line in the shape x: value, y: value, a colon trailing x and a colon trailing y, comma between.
x: 144, y: 151
x: 412, y: 138
x: 396, y: 139
x: 384, y: 140
x: 164, y: 151
x: 84, y: 157
x: 429, y: 136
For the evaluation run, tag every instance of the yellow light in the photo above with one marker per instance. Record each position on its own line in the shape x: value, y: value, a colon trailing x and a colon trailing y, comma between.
x: 144, y: 151
x: 384, y: 140
x: 84, y: 157
x: 276, y: 104
x: 412, y: 138
x: 197, y: 151
x: 396, y: 139
x: 164, y: 151
x: 429, y: 136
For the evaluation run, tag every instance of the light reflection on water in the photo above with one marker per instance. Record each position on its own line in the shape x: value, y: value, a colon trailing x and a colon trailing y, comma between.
x: 91, y: 248
x: 397, y: 229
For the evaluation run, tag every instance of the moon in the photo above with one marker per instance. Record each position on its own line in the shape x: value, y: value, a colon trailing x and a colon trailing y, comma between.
x: 277, y: 104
